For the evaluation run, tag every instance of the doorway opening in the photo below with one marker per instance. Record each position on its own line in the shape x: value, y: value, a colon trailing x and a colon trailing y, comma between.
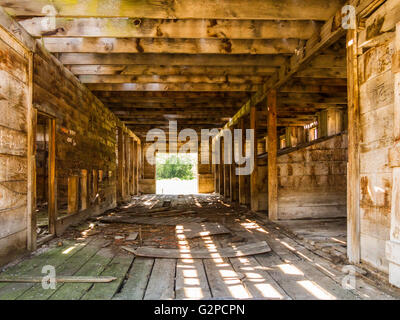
x: 176, y: 173
x: 45, y: 177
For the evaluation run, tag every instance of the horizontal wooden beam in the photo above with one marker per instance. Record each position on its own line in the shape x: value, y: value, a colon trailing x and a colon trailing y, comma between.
x: 323, y: 73
x: 181, y: 113
x: 180, y: 9
x: 171, y: 28
x: 330, y: 33
x: 175, y: 102
x: 171, y: 87
x: 171, y: 79
x: 163, y: 106
x: 183, y: 46
x: 172, y: 59
x: 174, y: 94
x: 138, y: 70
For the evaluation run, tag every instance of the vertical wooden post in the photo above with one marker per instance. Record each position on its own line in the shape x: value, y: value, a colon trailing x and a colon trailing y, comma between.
x: 31, y: 162
x: 84, y: 189
x: 353, y: 166
x: 221, y: 168
x: 52, y: 205
x: 272, y: 157
x: 242, y: 178
x: 227, y: 175
x: 233, y: 176
x: 120, y: 193
x: 253, y: 177
x: 393, y: 245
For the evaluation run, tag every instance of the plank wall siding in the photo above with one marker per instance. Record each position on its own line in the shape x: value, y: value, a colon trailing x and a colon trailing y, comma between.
x: 312, y: 180
x: 14, y: 101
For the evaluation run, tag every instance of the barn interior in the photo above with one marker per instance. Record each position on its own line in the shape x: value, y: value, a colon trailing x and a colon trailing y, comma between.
x: 83, y: 86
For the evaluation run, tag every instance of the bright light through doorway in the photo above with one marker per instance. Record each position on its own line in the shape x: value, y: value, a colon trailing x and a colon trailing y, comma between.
x: 176, y: 173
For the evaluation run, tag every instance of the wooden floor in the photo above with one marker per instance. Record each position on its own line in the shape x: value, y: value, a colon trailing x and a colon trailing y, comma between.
x: 290, y: 271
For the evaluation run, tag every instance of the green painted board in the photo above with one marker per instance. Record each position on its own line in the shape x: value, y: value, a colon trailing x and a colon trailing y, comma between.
x: 118, y: 267
x: 138, y: 278
x: 94, y: 267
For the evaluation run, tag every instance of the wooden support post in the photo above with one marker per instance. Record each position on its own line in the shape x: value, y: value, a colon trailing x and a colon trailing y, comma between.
x: 253, y: 177
x: 72, y: 194
x: 242, y: 178
x: 227, y: 176
x: 393, y: 245
x: 353, y: 166
x: 120, y: 193
x: 221, y: 168
x: 52, y: 206
x: 233, y: 177
x: 84, y: 189
x: 272, y: 157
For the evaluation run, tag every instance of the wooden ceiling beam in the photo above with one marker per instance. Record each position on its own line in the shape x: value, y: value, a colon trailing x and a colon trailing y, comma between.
x: 175, y: 94
x: 171, y: 28
x: 172, y: 59
x: 138, y: 70
x: 180, y: 9
x: 178, y: 46
x: 171, y: 79
x: 171, y: 87
x: 330, y: 33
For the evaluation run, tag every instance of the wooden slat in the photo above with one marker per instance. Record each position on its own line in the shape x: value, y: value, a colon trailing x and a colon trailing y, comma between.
x: 177, y: 46
x: 171, y: 59
x: 67, y: 268
x: 162, y: 280
x: 171, y: 79
x: 118, y: 267
x: 181, y: 9
x: 142, y: 70
x: 258, y: 281
x: 171, y: 87
x: 172, y: 28
x: 229, y: 252
x: 224, y: 281
x: 94, y: 267
x: 191, y: 280
x: 138, y: 277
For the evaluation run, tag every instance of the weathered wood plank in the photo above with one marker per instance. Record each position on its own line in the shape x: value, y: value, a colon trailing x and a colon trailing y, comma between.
x: 170, y: 87
x: 177, y: 46
x: 67, y: 268
x: 33, y: 267
x: 136, y: 283
x: 232, y: 9
x: 171, y: 59
x: 171, y: 79
x: 191, y: 280
x: 258, y: 281
x: 172, y: 28
x: 151, y: 70
x: 229, y: 252
x: 224, y: 282
x: 162, y: 280
x: 272, y: 157
x: 94, y: 267
x: 118, y: 267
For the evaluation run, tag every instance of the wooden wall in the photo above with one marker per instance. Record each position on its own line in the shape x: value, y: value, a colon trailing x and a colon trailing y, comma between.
x: 86, y: 136
x: 312, y: 180
x: 85, y: 139
x: 14, y: 103
x: 376, y: 138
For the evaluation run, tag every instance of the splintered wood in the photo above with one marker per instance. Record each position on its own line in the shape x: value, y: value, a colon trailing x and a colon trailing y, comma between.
x: 229, y: 252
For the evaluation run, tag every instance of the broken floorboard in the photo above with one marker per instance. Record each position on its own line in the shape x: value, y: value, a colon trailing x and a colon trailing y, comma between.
x: 184, y: 253
x: 289, y: 271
